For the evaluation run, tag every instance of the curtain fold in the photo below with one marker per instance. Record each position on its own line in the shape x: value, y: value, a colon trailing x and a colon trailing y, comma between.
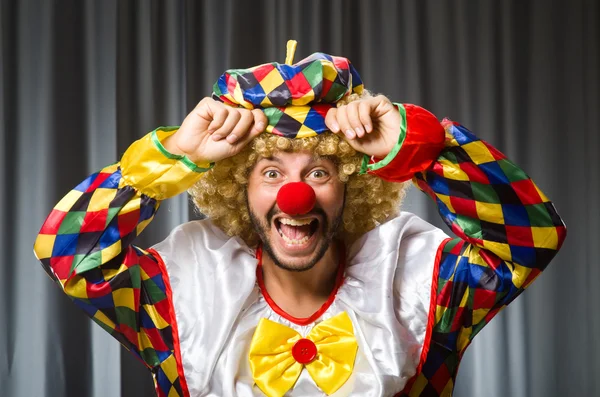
x: 81, y: 80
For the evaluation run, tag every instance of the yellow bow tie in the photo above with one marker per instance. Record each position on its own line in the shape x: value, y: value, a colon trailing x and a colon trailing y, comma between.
x: 278, y: 354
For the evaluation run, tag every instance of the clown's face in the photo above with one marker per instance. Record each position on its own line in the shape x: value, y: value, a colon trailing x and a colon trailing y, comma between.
x: 295, y: 242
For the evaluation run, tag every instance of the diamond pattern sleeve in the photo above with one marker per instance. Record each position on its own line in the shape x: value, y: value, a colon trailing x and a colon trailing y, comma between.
x: 508, y: 231
x: 85, y: 245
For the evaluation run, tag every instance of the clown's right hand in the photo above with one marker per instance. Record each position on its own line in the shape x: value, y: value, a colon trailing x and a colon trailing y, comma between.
x: 214, y: 131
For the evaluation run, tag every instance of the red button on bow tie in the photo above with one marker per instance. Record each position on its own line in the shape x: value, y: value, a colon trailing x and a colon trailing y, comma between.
x: 304, y: 351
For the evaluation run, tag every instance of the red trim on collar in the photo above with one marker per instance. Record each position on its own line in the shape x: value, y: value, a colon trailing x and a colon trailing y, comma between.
x: 296, y: 320
x: 173, y: 322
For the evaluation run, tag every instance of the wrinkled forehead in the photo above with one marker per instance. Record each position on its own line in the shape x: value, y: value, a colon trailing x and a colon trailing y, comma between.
x: 294, y: 159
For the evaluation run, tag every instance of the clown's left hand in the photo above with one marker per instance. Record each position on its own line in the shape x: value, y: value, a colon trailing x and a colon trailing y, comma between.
x: 370, y: 125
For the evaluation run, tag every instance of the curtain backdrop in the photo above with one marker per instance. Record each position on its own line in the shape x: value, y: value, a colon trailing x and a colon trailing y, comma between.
x: 81, y: 80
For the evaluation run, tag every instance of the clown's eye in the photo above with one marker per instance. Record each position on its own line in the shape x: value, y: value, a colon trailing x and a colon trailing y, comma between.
x: 318, y: 174
x: 271, y: 174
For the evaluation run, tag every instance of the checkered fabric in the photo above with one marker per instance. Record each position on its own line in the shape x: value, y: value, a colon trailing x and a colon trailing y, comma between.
x: 295, y: 98
x: 84, y: 245
x: 508, y: 232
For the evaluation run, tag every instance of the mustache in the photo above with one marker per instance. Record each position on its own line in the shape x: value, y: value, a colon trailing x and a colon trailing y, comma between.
x: 274, y: 211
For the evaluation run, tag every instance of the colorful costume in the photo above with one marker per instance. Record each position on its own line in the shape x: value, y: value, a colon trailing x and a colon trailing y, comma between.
x: 407, y: 302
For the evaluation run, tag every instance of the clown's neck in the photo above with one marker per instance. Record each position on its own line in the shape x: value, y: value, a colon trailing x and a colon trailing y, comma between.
x: 300, y: 294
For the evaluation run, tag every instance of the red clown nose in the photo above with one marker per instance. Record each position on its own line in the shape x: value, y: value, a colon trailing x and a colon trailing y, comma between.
x: 296, y: 198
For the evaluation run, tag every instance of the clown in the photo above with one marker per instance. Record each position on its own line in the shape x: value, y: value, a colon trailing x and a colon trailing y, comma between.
x: 305, y: 279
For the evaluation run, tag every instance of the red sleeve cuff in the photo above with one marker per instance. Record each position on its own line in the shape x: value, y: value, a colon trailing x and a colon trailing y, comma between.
x: 423, y: 142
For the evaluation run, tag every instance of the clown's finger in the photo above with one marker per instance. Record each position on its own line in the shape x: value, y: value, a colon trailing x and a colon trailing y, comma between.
x: 364, y: 113
x: 260, y: 122
x: 219, y: 115
x: 345, y: 127
x: 354, y: 120
x: 242, y: 127
x: 232, y: 119
x: 331, y: 121
x: 258, y: 127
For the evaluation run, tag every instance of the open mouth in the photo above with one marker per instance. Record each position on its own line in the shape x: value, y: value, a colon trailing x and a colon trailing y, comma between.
x: 296, y: 231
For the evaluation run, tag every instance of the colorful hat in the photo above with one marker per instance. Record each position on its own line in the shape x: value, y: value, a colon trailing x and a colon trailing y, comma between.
x: 295, y: 98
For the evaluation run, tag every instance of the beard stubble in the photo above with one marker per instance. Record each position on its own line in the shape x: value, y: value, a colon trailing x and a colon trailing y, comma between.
x: 330, y: 229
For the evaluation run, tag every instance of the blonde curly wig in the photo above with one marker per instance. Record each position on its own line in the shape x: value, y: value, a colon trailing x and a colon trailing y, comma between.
x: 221, y: 193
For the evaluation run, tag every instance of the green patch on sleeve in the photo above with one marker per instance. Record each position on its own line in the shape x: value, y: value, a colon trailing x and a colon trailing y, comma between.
x: 538, y: 215
x: 135, y: 276
x: 127, y: 316
x: 471, y: 227
x: 92, y: 261
x: 484, y: 193
x: 445, y: 323
x: 155, y: 293
x: 71, y: 224
x: 150, y: 357
x: 451, y: 244
x: 512, y: 172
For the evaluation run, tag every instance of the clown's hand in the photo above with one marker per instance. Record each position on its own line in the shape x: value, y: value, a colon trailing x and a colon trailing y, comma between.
x: 214, y: 131
x: 370, y: 125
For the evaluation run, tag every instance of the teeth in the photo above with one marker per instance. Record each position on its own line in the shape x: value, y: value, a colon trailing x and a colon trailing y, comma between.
x: 295, y: 222
x: 294, y: 241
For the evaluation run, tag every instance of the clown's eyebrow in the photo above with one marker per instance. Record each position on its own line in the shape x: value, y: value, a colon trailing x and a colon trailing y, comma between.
x: 272, y: 158
x: 278, y: 159
x: 315, y: 161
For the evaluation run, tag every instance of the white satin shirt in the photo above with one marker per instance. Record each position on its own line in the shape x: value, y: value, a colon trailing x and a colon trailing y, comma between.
x: 386, y: 292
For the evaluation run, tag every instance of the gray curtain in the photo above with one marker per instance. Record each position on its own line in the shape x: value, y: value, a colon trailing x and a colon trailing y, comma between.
x: 80, y: 80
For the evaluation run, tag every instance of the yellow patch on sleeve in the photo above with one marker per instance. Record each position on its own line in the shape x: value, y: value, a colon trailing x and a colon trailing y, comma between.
x: 169, y: 366
x: 132, y: 205
x: 545, y: 237
x: 447, y: 392
x: 479, y: 314
x: 66, y: 203
x: 101, y: 199
x: 439, y: 312
x: 104, y: 320
x: 124, y: 297
x: 44, y: 243
x: 452, y: 171
x: 500, y: 249
x: 157, y: 319
x: 76, y: 287
x: 110, y: 273
x: 478, y: 152
x: 173, y: 393
x: 111, y: 251
x: 476, y: 259
x: 490, y: 212
x: 418, y: 386
x: 464, y: 338
x: 519, y: 273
